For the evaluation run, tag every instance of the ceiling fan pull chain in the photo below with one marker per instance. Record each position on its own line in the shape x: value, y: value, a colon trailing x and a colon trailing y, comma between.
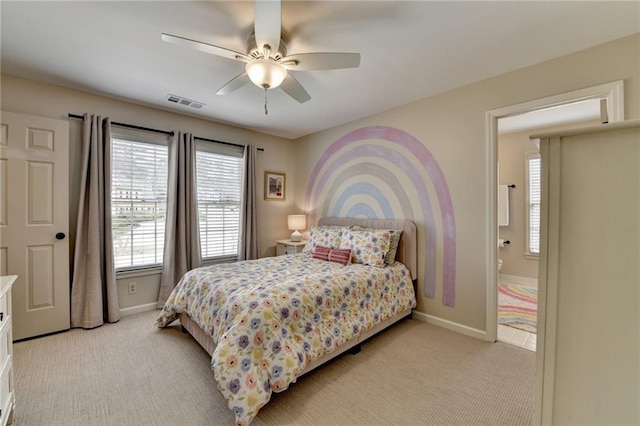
x: 266, y: 111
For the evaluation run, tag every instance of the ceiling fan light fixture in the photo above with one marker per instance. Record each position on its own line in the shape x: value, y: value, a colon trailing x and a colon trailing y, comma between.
x: 266, y: 73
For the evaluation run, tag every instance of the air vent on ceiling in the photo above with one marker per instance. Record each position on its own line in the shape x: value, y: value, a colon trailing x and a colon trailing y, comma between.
x: 184, y: 101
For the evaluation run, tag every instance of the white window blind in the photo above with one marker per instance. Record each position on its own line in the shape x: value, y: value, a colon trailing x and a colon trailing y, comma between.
x: 138, y: 202
x: 219, y: 177
x: 533, y: 195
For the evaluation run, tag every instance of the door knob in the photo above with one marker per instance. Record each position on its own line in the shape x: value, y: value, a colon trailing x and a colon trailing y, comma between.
x: 60, y: 235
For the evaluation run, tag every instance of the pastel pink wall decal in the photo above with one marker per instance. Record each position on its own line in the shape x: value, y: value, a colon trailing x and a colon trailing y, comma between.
x: 352, y: 157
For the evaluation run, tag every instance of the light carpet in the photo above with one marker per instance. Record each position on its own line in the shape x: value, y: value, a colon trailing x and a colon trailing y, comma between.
x: 518, y: 306
x: 131, y: 373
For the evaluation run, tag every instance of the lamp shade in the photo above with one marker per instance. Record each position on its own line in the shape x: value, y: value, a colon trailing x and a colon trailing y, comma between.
x: 296, y: 222
x: 266, y: 73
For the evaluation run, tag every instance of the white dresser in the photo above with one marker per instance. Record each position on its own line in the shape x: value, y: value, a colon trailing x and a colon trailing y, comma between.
x: 589, y: 286
x: 7, y: 396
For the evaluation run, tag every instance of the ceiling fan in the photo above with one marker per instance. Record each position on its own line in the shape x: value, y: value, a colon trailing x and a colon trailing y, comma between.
x: 266, y: 61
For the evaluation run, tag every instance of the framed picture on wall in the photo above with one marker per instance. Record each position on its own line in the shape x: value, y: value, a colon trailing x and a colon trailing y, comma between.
x: 274, y: 185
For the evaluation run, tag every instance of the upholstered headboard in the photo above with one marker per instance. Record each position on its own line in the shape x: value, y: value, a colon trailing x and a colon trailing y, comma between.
x: 408, y: 246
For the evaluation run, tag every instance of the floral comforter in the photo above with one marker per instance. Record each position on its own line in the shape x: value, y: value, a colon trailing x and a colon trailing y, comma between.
x: 270, y: 317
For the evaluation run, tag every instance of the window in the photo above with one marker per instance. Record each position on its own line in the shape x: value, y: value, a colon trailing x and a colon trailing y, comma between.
x: 138, y: 202
x: 533, y: 198
x: 219, y: 175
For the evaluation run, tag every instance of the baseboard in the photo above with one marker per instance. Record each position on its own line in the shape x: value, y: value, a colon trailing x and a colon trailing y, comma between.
x: 453, y: 326
x: 514, y: 279
x: 137, y: 309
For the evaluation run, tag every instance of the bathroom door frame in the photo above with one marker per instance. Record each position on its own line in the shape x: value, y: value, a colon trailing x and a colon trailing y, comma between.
x: 614, y: 94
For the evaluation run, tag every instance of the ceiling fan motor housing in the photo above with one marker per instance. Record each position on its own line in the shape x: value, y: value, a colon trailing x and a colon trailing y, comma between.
x: 255, y: 53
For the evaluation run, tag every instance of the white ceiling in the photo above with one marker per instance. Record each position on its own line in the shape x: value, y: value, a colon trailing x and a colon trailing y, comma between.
x: 410, y: 50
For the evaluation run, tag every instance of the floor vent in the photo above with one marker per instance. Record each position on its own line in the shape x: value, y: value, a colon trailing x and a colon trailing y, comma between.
x: 184, y: 101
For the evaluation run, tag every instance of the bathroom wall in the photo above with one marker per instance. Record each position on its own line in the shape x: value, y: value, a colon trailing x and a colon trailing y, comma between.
x: 512, y: 152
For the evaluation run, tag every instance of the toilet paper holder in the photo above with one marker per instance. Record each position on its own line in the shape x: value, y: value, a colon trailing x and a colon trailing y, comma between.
x: 502, y: 243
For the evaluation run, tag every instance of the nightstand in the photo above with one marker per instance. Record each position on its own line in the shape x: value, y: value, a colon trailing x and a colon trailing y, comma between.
x: 289, y: 247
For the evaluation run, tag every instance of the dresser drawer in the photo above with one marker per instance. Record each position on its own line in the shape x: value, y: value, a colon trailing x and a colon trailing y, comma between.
x: 3, y: 308
x: 4, y: 341
x: 6, y: 395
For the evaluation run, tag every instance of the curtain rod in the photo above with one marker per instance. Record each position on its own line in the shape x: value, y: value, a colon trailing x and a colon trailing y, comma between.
x: 223, y: 143
x: 164, y: 132
x: 128, y: 126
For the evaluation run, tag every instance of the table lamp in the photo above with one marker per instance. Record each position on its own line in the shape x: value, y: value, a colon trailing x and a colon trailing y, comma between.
x: 295, y: 223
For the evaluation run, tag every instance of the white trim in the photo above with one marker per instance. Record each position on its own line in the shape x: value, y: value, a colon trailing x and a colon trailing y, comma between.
x: 514, y: 279
x: 138, y: 272
x: 450, y: 325
x: 491, y: 160
x: 614, y: 94
x: 548, y: 286
x: 125, y: 312
x: 528, y: 157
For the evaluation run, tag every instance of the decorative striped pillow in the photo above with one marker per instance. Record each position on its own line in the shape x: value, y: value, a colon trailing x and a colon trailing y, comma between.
x: 321, y: 253
x: 342, y: 256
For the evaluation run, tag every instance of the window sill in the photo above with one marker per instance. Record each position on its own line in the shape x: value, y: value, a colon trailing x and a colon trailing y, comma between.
x: 131, y: 273
x: 217, y: 260
x: 532, y: 256
x: 156, y: 270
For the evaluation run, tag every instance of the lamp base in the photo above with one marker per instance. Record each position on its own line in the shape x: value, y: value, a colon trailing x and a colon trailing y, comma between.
x: 296, y: 237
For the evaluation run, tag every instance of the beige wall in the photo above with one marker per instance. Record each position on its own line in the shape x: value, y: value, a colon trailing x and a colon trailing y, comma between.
x: 28, y: 97
x: 512, y: 150
x: 452, y: 126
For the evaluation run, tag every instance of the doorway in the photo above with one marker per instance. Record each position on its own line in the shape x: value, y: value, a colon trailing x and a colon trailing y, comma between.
x: 537, y: 116
x: 519, y: 228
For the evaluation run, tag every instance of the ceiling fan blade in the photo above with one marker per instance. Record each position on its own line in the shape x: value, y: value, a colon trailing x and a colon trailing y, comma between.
x: 293, y: 88
x: 204, y: 47
x: 321, y: 61
x: 268, y: 17
x: 237, y: 82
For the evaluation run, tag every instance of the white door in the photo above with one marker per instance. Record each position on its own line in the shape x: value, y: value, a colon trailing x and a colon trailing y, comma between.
x: 34, y: 221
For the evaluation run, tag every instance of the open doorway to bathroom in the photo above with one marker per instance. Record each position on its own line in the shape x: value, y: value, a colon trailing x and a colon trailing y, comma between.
x: 519, y: 196
x: 518, y: 233
x: 515, y: 301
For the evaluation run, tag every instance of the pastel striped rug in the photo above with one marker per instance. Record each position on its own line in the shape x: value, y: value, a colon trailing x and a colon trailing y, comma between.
x: 518, y: 306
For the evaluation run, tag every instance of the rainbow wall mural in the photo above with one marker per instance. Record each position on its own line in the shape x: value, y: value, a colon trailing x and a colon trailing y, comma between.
x: 385, y: 173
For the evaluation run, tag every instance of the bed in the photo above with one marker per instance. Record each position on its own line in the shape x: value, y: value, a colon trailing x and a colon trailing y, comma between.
x: 267, y: 322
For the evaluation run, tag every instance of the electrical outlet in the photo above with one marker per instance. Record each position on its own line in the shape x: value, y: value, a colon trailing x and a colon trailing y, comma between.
x: 133, y: 287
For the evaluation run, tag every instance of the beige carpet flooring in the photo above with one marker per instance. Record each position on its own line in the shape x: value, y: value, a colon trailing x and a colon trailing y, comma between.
x: 131, y: 373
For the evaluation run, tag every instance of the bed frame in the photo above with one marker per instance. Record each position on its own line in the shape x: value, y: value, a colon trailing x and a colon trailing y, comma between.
x: 407, y: 254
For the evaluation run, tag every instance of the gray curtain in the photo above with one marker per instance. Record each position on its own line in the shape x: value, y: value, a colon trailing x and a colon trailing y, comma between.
x: 248, y: 247
x: 181, y: 238
x: 94, y: 296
